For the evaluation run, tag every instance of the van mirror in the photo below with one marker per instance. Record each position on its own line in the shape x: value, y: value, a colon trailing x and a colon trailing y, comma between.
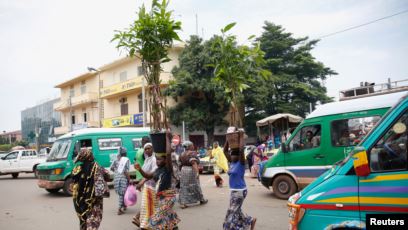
x: 284, y: 148
x: 360, y: 162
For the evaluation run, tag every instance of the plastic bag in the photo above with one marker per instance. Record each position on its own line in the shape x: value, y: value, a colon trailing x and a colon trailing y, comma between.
x: 130, y: 196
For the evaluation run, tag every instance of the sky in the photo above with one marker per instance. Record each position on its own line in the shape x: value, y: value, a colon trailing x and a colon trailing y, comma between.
x: 46, y: 42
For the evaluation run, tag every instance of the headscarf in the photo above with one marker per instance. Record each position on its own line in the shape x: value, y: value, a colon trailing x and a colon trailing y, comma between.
x: 83, y: 176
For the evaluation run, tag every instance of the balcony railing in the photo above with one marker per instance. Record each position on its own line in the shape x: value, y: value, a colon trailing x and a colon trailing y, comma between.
x: 76, y: 101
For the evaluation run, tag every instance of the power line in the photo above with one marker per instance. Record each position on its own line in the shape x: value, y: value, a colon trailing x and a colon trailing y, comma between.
x: 364, y: 24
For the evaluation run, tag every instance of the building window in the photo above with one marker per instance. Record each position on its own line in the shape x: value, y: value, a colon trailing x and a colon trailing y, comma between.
x: 83, y: 87
x: 85, y: 116
x: 71, y: 91
x: 73, y: 119
x: 140, y: 71
x: 123, y: 106
x: 123, y: 76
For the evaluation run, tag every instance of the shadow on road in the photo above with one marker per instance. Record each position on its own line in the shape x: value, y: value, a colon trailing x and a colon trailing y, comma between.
x: 8, y: 177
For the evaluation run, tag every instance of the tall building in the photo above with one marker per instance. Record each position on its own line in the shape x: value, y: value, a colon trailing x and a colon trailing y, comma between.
x: 42, y: 117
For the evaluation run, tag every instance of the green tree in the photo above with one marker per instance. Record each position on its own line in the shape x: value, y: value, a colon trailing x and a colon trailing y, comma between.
x: 201, y: 103
x: 297, y: 75
x: 151, y: 36
x: 235, y: 67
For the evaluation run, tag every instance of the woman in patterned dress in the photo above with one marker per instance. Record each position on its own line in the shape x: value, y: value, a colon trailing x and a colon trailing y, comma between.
x: 235, y: 218
x: 164, y: 217
x: 89, y: 208
x: 149, y: 200
x: 121, y: 178
x: 190, y: 189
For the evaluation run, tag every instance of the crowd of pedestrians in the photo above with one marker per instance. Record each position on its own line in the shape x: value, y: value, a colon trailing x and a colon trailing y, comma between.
x: 162, y: 179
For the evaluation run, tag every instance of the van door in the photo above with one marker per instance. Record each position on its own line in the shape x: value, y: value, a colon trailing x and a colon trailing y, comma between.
x: 26, y: 160
x: 9, y: 161
x: 304, y: 157
x: 385, y: 190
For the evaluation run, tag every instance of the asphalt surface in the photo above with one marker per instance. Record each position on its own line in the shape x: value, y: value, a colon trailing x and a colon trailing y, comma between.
x: 25, y: 206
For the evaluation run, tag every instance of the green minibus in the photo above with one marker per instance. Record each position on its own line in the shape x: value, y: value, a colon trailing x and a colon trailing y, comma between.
x: 325, y: 137
x: 55, y: 173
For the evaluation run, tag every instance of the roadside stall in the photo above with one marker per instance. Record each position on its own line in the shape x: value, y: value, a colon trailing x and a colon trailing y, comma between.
x: 276, y: 129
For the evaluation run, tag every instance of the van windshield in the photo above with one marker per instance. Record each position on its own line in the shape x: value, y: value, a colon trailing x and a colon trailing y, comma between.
x: 59, y: 150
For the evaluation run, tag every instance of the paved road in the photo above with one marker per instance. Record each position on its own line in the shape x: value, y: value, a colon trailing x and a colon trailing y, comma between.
x: 24, y: 206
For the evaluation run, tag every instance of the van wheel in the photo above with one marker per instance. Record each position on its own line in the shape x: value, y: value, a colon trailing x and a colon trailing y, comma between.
x: 69, y: 183
x: 284, y: 187
x: 53, y: 191
x: 14, y: 175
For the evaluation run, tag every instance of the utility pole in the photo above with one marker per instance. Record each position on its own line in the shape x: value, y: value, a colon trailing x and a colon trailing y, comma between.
x: 196, y: 24
x: 143, y: 102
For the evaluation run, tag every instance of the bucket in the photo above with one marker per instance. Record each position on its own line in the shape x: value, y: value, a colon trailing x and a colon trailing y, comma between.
x: 158, y: 142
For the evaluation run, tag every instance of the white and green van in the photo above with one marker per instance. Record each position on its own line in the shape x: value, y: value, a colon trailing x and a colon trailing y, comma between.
x: 325, y: 137
x: 55, y: 174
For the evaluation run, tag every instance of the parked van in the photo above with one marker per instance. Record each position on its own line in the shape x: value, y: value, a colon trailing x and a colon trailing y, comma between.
x: 55, y: 174
x: 325, y: 137
x: 373, y: 179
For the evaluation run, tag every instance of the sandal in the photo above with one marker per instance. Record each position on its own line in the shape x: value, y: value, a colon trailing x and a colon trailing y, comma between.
x: 120, y: 212
x: 205, y: 201
x: 183, y: 206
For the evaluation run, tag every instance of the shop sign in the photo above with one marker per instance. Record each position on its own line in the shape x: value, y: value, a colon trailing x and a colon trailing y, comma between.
x: 121, y: 87
x: 118, y: 121
x: 138, y: 119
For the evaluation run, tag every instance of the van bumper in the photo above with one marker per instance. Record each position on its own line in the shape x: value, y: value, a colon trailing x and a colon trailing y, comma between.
x: 266, y: 181
x: 50, y: 184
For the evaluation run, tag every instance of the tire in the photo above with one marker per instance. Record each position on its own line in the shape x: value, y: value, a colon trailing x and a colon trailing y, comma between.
x: 67, y: 189
x: 53, y: 191
x: 14, y: 175
x: 284, y: 186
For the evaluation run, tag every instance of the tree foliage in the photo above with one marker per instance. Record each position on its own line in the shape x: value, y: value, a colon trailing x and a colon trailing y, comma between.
x: 296, y: 76
x: 235, y: 67
x: 151, y: 36
x: 201, y: 103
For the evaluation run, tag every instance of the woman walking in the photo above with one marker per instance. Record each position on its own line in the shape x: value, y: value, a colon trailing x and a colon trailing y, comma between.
x: 148, y: 203
x: 164, y: 217
x: 256, y: 159
x: 190, y: 189
x: 235, y: 218
x: 88, y: 205
x: 121, y: 178
x: 220, y: 163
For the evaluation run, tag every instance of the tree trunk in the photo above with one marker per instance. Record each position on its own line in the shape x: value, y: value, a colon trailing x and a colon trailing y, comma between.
x: 210, y: 136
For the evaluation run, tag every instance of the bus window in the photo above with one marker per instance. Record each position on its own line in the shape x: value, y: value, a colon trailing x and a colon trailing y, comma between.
x: 350, y: 132
x: 109, y: 143
x: 307, y: 138
x: 390, y: 152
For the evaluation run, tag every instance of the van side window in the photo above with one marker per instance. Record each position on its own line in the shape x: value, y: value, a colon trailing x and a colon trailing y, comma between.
x: 390, y: 152
x: 306, y: 138
x: 137, y: 143
x: 350, y: 132
x: 109, y: 143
